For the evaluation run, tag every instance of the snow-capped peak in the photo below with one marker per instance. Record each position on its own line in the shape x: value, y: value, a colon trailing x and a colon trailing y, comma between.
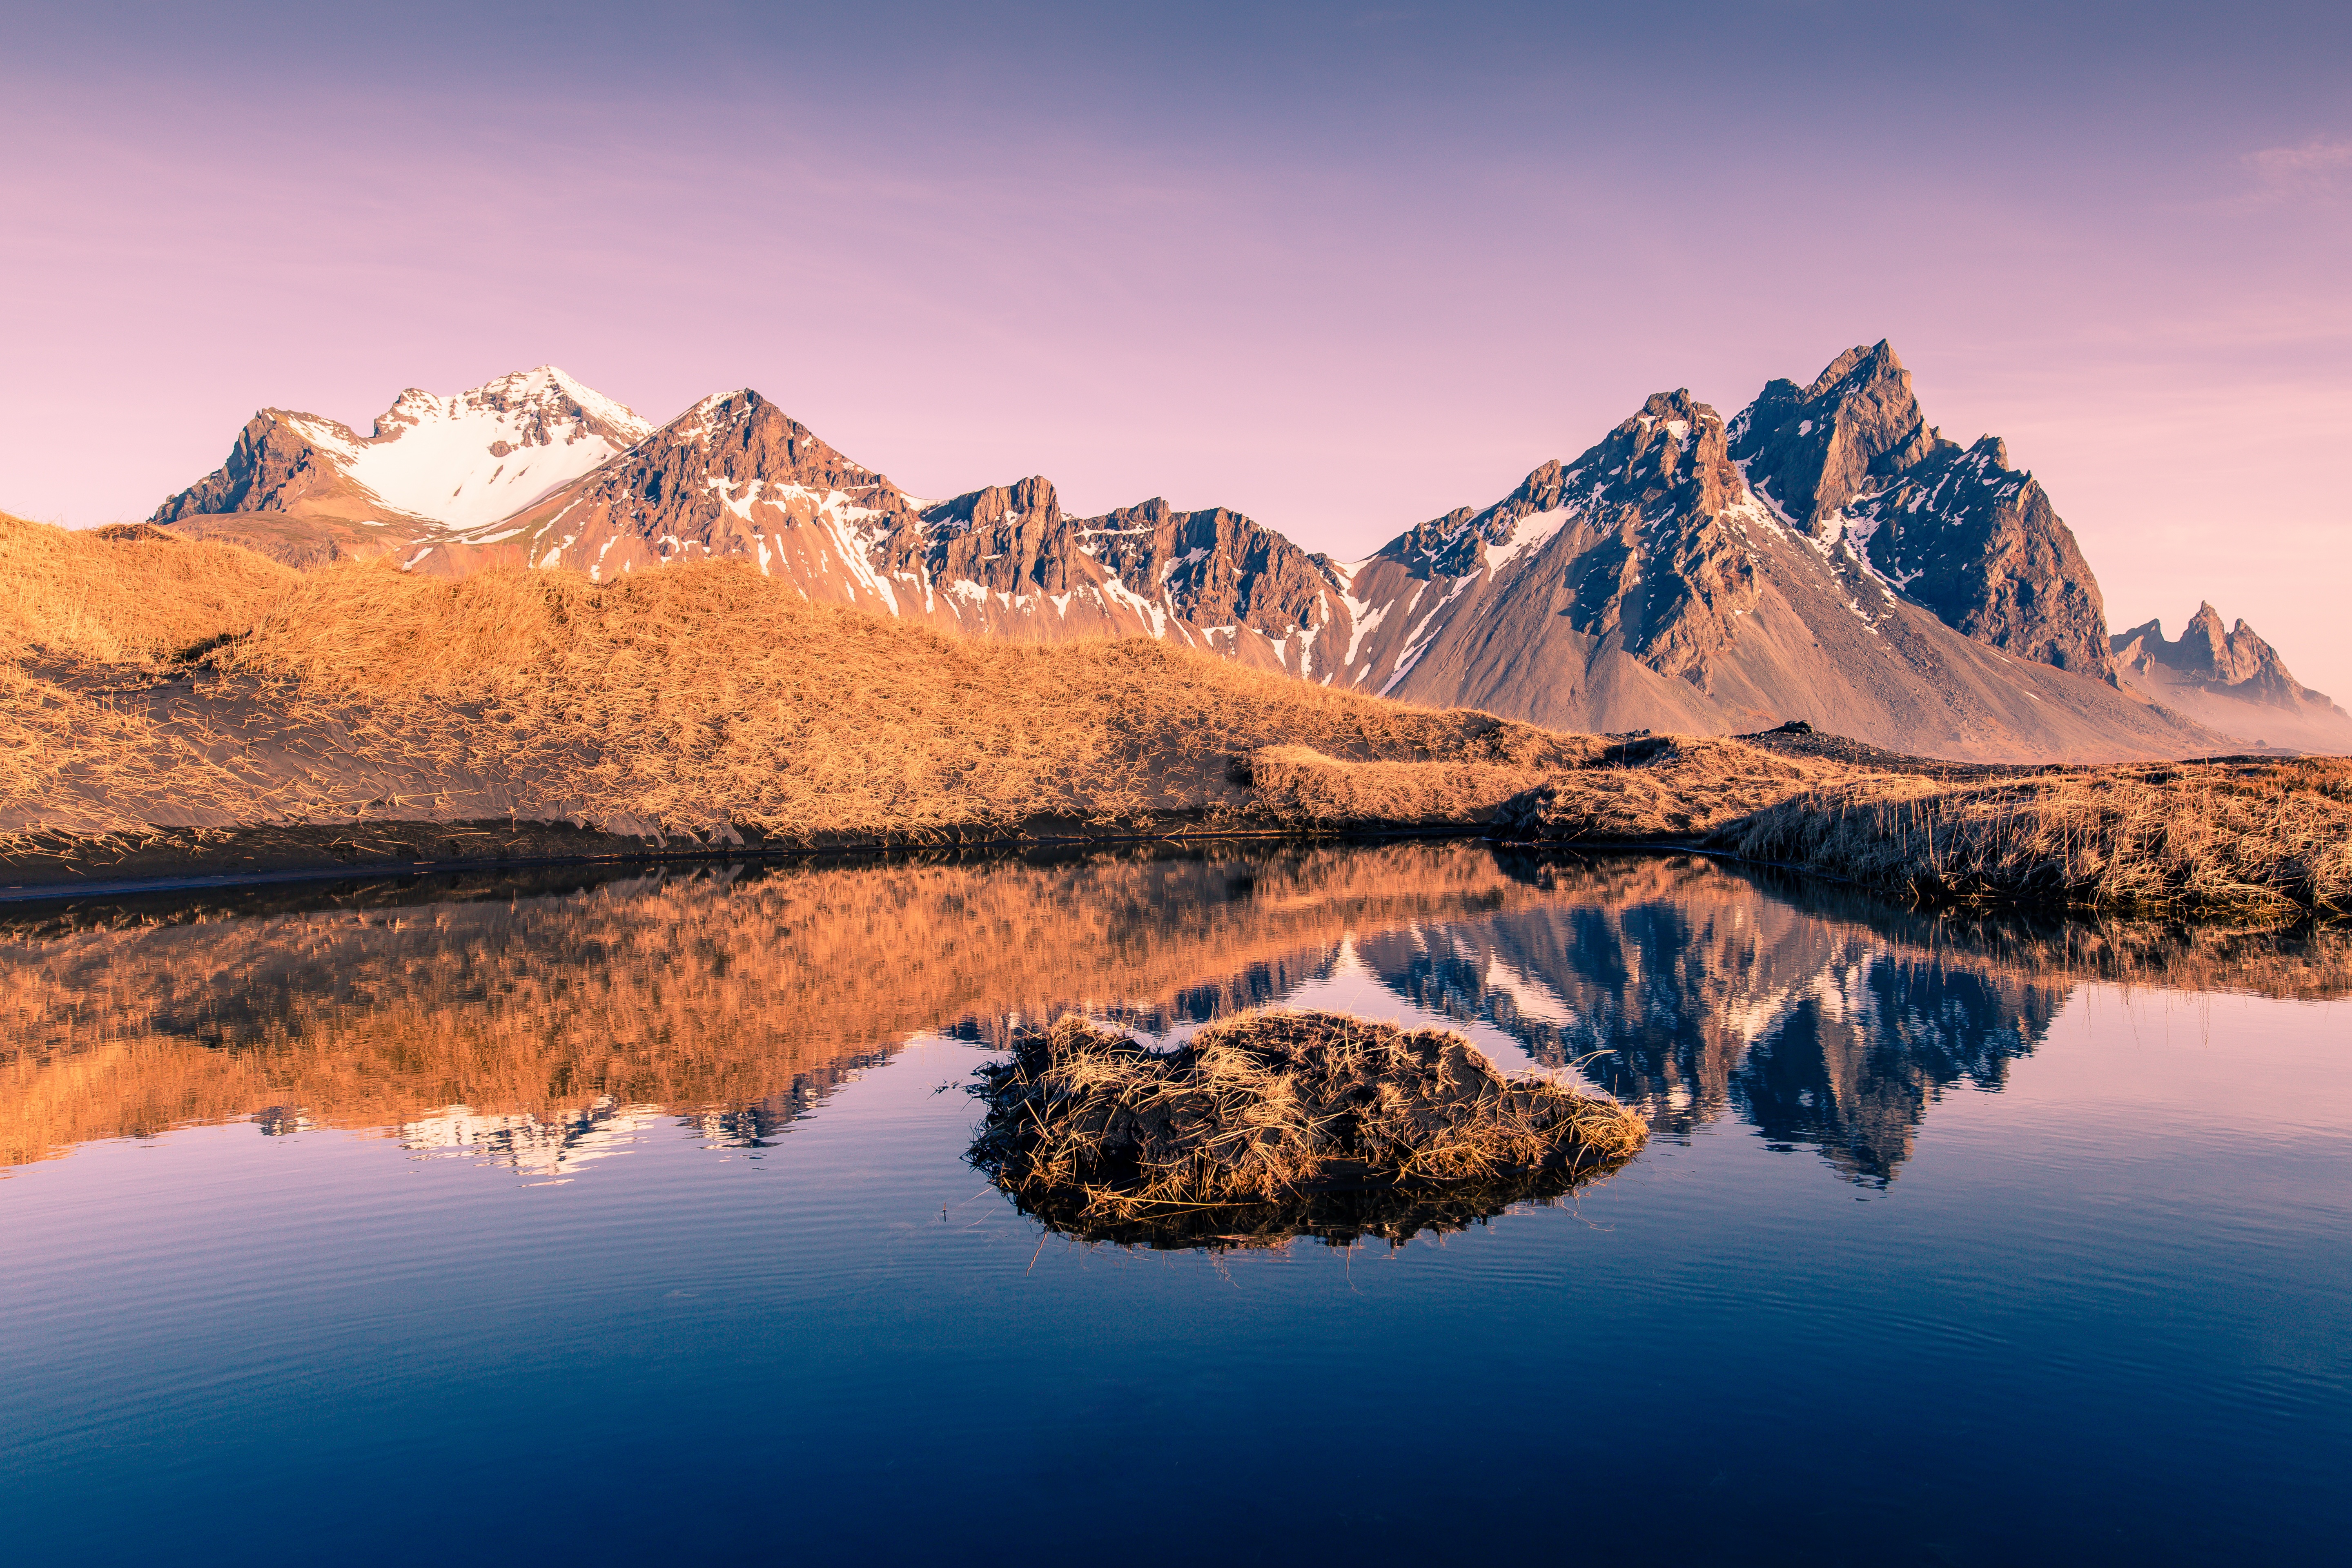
x: 493, y: 450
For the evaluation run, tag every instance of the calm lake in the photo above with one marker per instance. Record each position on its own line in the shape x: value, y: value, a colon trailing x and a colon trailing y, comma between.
x: 626, y: 1218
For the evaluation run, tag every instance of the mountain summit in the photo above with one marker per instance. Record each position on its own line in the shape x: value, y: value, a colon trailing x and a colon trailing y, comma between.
x: 1953, y: 529
x: 1825, y: 553
x: 303, y: 488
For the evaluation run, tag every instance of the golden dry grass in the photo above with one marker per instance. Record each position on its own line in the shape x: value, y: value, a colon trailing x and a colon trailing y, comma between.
x: 2264, y: 838
x: 126, y: 596
x: 1300, y: 784
x: 1087, y: 1126
x: 710, y: 697
x: 1673, y: 787
x: 699, y: 700
x: 79, y: 612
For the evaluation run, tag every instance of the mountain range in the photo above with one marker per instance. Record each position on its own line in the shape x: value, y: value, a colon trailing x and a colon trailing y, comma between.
x: 1824, y: 554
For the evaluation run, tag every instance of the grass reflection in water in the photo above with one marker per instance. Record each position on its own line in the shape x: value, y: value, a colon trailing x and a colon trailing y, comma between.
x: 528, y: 1019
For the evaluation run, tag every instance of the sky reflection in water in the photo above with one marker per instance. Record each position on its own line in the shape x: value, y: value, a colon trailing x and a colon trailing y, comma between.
x: 621, y: 1216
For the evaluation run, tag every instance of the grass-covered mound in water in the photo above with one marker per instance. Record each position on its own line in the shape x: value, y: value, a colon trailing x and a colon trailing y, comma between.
x: 1276, y: 1124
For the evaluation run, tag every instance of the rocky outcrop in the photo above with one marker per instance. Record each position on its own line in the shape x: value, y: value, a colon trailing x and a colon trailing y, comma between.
x: 280, y: 459
x: 2235, y: 661
x: 1009, y: 539
x: 1218, y: 567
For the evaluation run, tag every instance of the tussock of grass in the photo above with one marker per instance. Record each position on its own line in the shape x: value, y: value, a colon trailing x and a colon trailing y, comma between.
x: 1232, y: 1136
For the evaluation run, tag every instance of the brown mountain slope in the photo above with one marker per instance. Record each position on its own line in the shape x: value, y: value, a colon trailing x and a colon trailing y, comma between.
x: 1647, y: 586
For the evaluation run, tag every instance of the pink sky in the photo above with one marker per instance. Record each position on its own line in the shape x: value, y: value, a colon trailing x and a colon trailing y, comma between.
x: 1342, y: 271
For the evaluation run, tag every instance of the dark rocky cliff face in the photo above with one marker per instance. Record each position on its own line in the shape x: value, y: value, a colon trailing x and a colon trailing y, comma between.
x: 1009, y: 539
x: 1665, y: 570
x: 1811, y: 450
x: 1958, y: 530
x: 1216, y: 567
x: 274, y: 464
x: 1979, y: 543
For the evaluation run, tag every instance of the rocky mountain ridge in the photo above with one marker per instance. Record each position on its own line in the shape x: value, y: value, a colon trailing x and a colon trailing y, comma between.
x: 1825, y: 553
x: 2231, y: 680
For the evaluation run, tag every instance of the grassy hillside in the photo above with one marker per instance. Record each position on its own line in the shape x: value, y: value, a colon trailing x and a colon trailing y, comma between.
x: 124, y: 594
x: 699, y: 700
x: 152, y: 683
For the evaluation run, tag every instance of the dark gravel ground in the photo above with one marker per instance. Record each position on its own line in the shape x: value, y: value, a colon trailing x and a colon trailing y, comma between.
x: 1838, y: 748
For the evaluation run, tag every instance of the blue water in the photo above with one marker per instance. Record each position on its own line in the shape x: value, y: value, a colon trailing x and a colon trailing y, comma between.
x: 2086, y: 1295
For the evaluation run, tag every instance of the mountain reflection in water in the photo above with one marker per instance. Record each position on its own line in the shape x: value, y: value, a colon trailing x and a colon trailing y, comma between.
x: 539, y: 1022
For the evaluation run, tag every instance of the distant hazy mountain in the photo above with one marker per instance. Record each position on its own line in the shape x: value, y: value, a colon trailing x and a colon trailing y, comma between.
x: 2232, y: 682
x: 1825, y: 556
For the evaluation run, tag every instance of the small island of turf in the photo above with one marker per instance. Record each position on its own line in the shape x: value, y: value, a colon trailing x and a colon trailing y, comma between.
x: 1274, y: 1124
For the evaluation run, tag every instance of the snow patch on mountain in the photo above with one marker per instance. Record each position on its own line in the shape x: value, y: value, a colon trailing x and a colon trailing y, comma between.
x: 1530, y: 533
x: 487, y: 453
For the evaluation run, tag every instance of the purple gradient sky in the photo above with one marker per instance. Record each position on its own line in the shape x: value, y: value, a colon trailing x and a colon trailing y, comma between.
x: 1342, y: 267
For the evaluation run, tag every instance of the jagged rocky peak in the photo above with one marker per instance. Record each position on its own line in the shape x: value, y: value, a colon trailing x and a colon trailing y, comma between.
x: 1663, y: 568
x: 1670, y: 456
x: 995, y: 506
x: 748, y: 441
x: 1674, y: 441
x: 1813, y: 449
x: 541, y: 406
x: 1009, y: 539
x: 279, y: 460
x: 2233, y: 657
x: 1215, y: 566
x: 1955, y: 530
x: 2236, y: 662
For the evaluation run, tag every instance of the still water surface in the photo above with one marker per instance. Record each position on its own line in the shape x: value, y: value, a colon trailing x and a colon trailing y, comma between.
x: 624, y: 1219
